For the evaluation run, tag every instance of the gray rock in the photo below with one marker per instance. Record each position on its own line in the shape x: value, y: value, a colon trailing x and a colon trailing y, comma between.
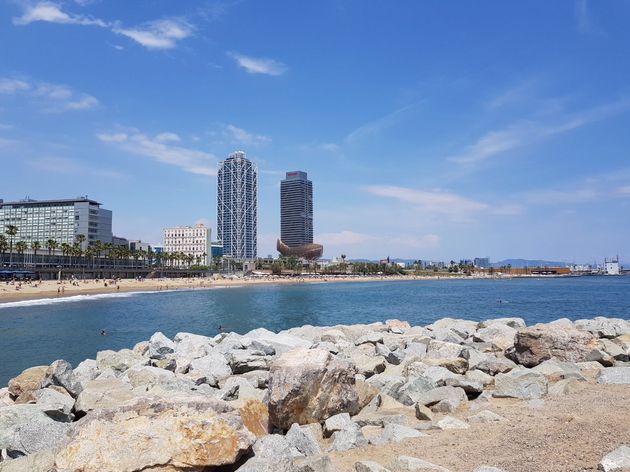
x: 481, y: 377
x: 616, y: 461
x: 336, y: 423
x: 368, y: 365
x: 396, y: 433
x: 60, y: 373
x: 86, y: 371
x: 274, y: 446
x: 313, y: 464
x: 214, y: 366
x: 333, y: 336
x: 498, y: 334
x: 327, y: 346
x: 369, y: 466
x: 614, y: 375
x: 373, y: 337
x: 241, y: 361
x: 103, y: 393
x: 614, y: 350
x: 234, y: 388
x: 5, y: 397
x: 192, y: 346
x: 348, y: 438
x: 160, y: 346
x: 431, y: 397
x: 43, y: 461
x: 302, y: 439
x: 554, y: 369
x: 520, y: 384
x: 563, y: 387
x: 25, y: 429
x: 423, y: 413
x: 604, y: 327
x: 485, y: 416
x: 119, y: 361
x: 410, y: 392
x: 493, y: 365
x: 448, y: 422
x: 406, y: 463
x: 55, y: 404
x: 466, y: 383
x: 387, y: 384
x: 447, y: 335
x: 464, y: 328
x: 516, y: 323
x: 282, y: 342
x: 268, y: 464
x: 415, y: 349
x: 442, y: 350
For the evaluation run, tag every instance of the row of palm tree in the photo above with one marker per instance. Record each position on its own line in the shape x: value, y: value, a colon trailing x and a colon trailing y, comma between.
x: 96, y: 251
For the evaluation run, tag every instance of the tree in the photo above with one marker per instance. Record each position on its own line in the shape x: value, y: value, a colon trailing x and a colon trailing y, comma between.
x: 11, y: 231
x: 35, y: 246
x: 4, y: 245
x: 66, y: 250
x: 51, y: 245
x: 20, y: 247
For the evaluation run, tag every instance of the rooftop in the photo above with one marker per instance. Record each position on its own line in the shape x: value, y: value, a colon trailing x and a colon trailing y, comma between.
x: 30, y: 201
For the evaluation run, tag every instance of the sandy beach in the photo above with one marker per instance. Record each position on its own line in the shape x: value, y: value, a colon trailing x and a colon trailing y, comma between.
x: 14, y: 291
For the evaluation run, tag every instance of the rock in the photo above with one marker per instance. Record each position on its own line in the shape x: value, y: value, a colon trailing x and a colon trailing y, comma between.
x: 464, y: 328
x: 415, y: 349
x: 447, y: 335
x: 397, y: 326
x: 614, y: 375
x: 396, y: 433
x: 308, y: 386
x: 478, y: 376
x: 614, y: 350
x: 541, y: 342
x: 119, y: 361
x: 406, y: 463
x: 55, y: 404
x: 456, y: 365
x: 28, y: 381
x: 516, y: 323
x: 493, y: 365
x: 326, y: 346
x: 160, y: 346
x: 313, y: 464
x: 336, y: 423
x: 373, y: 337
x: 563, y: 322
x: 60, y: 373
x: 348, y: 438
x: 25, y: 429
x: 604, y: 327
x: 442, y: 350
x: 175, y: 433
x: 241, y: 361
x: 259, y: 464
x: 616, y: 461
x: 369, y: 466
x: 520, y: 384
x: 387, y: 384
x: 486, y: 468
x: 192, y: 346
x: 563, y: 387
x: 86, y: 371
x: 103, y: 393
x: 365, y: 391
x: 5, y: 397
x: 431, y: 397
x: 410, y: 392
x: 239, y: 388
x: 556, y: 370
x: 498, y: 334
x: 43, y: 461
x: 448, y: 422
x: 485, y: 416
x: 213, y: 366
x: 282, y: 342
x: 303, y: 440
x: 423, y: 413
x: 255, y: 416
x: 368, y: 365
x: 274, y: 446
x: 467, y: 384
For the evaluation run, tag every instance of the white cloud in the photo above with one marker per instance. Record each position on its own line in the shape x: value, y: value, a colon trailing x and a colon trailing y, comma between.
x: 168, y: 137
x: 625, y: 190
x: 330, y: 147
x: 586, y: 24
x: 240, y: 136
x: 9, y: 86
x: 160, y: 34
x: 495, y: 143
x: 343, y: 238
x: 259, y: 65
x: 376, y: 126
x: 190, y: 160
x: 51, y: 98
x: 561, y: 197
x: 51, y: 13
x: 433, y: 202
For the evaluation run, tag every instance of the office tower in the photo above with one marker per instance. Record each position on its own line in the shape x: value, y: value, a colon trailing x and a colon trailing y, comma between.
x: 189, y: 240
x: 296, y: 209
x: 237, y: 206
x: 59, y: 220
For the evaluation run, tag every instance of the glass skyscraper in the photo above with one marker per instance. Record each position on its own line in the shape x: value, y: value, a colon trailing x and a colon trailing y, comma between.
x: 296, y: 209
x: 237, y: 207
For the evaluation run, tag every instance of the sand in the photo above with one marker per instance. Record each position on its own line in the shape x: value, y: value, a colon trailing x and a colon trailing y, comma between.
x: 566, y: 434
x: 52, y: 288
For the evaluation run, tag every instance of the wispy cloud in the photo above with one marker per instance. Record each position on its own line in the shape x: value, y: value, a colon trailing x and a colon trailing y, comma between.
x: 585, y: 21
x: 135, y: 142
x: 51, y: 13
x: 62, y: 165
x: 160, y: 34
x: 239, y: 136
x: 624, y: 190
x: 258, y: 65
x: 522, y: 133
x: 374, y: 127
x: 51, y: 98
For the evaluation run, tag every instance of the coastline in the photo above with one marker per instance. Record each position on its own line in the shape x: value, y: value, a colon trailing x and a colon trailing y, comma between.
x: 48, y: 288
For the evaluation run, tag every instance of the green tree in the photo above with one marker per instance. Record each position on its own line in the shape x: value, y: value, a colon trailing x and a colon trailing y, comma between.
x: 4, y: 245
x: 11, y: 231
x: 35, y: 246
x: 20, y: 247
x: 51, y: 245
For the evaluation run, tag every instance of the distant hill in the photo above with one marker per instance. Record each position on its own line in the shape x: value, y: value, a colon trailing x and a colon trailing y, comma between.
x: 519, y: 263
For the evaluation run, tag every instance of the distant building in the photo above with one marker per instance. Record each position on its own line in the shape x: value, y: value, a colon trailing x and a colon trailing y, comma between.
x: 612, y: 267
x: 189, y: 240
x: 137, y: 245
x: 482, y: 262
x: 120, y: 242
x: 217, y: 249
x: 237, y: 207
x: 59, y: 220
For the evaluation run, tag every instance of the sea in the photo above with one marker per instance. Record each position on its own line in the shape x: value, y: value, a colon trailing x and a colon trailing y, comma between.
x: 37, y: 332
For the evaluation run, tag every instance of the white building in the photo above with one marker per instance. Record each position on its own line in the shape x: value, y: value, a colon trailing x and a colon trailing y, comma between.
x: 195, y: 241
x: 611, y: 267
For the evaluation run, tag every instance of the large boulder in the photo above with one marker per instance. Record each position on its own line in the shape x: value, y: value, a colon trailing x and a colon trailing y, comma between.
x: 213, y: 366
x: 604, y: 327
x: 119, y: 361
x: 538, y: 343
x: 27, y: 382
x: 160, y: 346
x: 520, y: 384
x: 308, y: 386
x: 147, y: 434
x: 614, y: 375
x: 616, y: 461
x: 60, y: 373
x: 281, y: 342
x: 103, y: 393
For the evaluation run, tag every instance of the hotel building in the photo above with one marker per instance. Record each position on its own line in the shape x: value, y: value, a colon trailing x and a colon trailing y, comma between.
x: 237, y: 207
x: 189, y: 240
x: 59, y: 220
x: 296, y: 209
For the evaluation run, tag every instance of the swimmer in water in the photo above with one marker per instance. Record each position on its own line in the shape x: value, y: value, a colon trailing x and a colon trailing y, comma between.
x: 103, y: 332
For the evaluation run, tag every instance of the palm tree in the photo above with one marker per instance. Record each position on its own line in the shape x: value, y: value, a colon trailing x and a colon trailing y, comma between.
x: 66, y: 249
x: 51, y: 245
x: 4, y: 245
x: 35, y: 246
x: 20, y: 247
x: 11, y: 231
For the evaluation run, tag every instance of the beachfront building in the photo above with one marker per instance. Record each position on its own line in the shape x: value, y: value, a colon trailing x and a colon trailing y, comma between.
x: 482, y: 262
x: 612, y: 267
x: 192, y: 241
x: 58, y: 220
x: 237, y: 207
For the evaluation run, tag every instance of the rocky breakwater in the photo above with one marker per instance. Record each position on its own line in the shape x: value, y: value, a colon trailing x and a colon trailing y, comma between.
x: 283, y: 402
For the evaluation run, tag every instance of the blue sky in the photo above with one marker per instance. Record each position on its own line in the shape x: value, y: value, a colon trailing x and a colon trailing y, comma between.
x: 433, y: 130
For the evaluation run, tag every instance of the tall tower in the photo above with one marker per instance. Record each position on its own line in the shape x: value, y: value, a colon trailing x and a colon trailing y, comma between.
x: 296, y: 209
x: 237, y: 206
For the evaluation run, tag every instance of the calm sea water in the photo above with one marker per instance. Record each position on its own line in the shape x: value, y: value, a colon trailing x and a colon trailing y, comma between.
x: 38, y: 332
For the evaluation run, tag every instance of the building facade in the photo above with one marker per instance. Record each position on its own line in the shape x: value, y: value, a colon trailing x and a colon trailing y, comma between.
x: 189, y: 240
x: 59, y: 220
x: 296, y: 209
x: 237, y: 207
